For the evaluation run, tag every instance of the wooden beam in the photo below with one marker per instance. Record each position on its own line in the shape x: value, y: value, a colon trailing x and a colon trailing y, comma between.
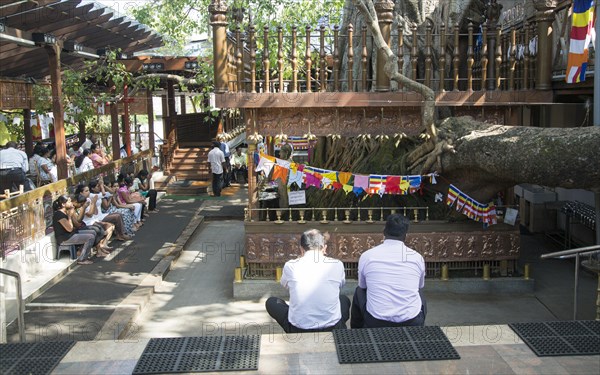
x: 150, y: 108
x: 114, y: 122
x: 27, y: 130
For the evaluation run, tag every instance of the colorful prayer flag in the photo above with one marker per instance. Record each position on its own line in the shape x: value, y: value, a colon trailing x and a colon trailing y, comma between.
x: 582, y: 33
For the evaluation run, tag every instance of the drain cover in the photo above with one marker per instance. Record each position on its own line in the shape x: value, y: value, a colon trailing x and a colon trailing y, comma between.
x: 33, y: 358
x: 199, y: 354
x: 560, y: 338
x: 392, y: 344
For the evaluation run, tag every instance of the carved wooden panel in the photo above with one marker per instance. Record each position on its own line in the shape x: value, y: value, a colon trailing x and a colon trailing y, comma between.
x: 435, y: 247
x: 347, y: 122
x: 484, y: 114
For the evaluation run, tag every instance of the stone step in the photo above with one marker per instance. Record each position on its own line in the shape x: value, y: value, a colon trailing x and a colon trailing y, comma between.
x: 192, y: 175
x: 189, y: 167
x: 188, y: 187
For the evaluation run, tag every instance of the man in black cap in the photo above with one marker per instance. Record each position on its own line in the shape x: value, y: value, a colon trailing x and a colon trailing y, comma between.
x: 216, y: 158
x: 390, y: 276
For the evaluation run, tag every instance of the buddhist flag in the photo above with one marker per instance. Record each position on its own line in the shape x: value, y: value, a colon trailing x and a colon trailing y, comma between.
x: 582, y: 33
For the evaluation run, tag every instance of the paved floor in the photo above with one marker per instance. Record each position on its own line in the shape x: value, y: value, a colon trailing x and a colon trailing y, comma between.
x: 196, y: 299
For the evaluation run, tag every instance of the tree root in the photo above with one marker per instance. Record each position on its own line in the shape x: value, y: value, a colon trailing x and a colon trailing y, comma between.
x: 430, y: 156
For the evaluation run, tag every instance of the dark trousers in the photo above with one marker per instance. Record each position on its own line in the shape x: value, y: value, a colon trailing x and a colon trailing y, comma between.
x: 362, y: 319
x: 238, y: 172
x: 227, y: 174
x: 216, y: 184
x: 151, y: 199
x: 13, y: 177
x: 278, y: 309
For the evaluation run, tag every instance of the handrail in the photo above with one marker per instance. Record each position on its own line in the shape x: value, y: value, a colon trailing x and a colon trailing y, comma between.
x: 561, y: 254
x: 566, y: 254
x: 20, y: 306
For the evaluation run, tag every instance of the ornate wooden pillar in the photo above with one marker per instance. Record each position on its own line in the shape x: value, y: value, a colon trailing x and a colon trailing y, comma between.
x: 492, y: 14
x: 114, y: 122
x: 81, y: 133
x: 218, y: 21
x: 171, y: 105
x: 182, y: 104
x: 544, y: 19
x: 385, y: 15
x: 150, y: 108
x: 57, y: 109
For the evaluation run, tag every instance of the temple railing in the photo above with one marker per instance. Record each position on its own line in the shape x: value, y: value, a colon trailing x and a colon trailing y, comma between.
x: 24, y: 218
x: 324, y: 215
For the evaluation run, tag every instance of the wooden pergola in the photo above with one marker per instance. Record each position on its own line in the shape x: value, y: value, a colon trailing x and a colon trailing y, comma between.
x: 38, y: 37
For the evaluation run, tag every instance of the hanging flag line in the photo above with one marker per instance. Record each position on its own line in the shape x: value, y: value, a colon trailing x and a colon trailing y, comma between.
x: 291, y: 173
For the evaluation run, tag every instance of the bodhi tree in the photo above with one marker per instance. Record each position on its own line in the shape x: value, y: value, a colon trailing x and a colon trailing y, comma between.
x: 485, y: 158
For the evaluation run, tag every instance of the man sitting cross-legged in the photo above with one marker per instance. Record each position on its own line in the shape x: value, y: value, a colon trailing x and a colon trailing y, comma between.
x: 314, y: 281
x: 390, y: 277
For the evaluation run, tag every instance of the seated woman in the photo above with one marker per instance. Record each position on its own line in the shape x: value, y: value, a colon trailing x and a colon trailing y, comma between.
x: 109, y: 206
x: 141, y: 184
x: 65, y: 231
x: 97, y: 156
x: 125, y: 197
x: 94, y: 214
x: 83, y: 163
x: 103, y: 230
x: 46, y: 168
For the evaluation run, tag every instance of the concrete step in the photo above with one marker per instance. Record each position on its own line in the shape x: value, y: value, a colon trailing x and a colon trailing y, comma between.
x: 188, y: 187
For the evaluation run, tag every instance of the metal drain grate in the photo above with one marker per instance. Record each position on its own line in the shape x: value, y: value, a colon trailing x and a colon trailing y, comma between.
x: 560, y: 338
x: 32, y: 358
x: 392, y: 344
x: 199, y: 354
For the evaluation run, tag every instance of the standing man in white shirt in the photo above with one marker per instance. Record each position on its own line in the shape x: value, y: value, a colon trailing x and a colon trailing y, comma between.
x: 216, y: 158
x: 13, y: 166
x: 314, y: 281
x: 389, y: 279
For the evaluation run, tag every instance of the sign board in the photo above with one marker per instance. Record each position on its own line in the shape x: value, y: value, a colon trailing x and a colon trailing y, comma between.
x: 510, y: 217
x: 297, y: 197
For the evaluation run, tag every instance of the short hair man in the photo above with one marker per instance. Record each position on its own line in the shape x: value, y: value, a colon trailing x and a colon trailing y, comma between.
x: 216, y: 158
x: 13, y: 166
x: 314, y: 281
x: 390, y: 276
x: 239, y: 165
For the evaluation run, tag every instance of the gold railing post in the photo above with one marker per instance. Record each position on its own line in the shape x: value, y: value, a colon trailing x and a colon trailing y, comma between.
x: 414, y: 54
x: 470, y: 58
x: 322, y: 61
x: 239, y: 63
x: 428, y: 54
x: 336, y: 58
x: 280, y: 56
x: 242, y: 261
x: 252, y: 42
x: 526, y: 271
x: 385, y: 16
x: 350, y: 68
x: 400, y: 52
x: 498, y: 59
x: 513, y: 58
x: 456, y: 58
x: 442, y: 63
x: 218, y: 21
x: 363, y: 59
x: 237, y: 275
x: 266, y: 60
x: 294, y: 58
x: 526, y: 58
x: 545, y: 31
x: 445, y: 272
x: 484, y: 57
x: 308, y: 61
x: 278, y: 273
x: 486, y: 271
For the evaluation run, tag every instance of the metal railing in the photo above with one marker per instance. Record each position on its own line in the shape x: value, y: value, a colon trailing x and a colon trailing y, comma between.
x: 20, y: 306
x: 325, y: 215
x: 575, y: 253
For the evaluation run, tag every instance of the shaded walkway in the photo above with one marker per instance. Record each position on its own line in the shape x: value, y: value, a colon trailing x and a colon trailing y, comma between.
x: 77, y: 307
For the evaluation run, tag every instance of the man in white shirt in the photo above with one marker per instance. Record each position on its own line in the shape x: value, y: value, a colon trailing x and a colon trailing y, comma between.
x: 314, y: 281
x: 389, y: 279
x: 91, y: 139
x: 216, y: 158
x: 13, y: 166
x: 239, y: 165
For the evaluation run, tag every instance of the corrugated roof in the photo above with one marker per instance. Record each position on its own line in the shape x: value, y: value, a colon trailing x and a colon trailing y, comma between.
x: 86, y: 22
